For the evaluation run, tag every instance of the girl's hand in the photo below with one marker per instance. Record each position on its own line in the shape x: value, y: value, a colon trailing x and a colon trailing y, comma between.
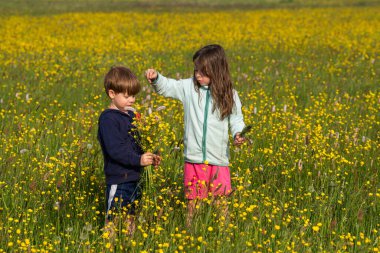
x: 146, y: 159
x: 151, y: 75
x: 238, y: 139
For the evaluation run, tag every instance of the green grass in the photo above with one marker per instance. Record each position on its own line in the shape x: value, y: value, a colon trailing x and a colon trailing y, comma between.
x: 306, y: 180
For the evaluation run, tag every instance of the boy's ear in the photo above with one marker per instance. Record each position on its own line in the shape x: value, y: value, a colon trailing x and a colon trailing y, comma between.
x: 111, y: 93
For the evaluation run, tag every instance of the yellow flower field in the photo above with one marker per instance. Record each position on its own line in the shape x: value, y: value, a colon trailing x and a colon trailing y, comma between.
x: 307, y: 179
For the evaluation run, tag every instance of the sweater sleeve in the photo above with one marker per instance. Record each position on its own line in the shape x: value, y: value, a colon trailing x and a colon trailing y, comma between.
x: 170, y: 87
x: 236, y: 118
x: 118, y: 148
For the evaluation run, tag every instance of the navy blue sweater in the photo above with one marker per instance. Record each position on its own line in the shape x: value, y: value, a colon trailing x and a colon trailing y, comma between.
x: 121, y: 151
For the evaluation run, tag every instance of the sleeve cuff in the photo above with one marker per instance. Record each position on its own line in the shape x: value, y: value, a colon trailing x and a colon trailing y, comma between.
x: 137, y: 160
x: 156, y: 80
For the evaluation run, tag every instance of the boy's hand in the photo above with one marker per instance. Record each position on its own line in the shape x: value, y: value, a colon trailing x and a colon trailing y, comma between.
x: 156, y: 160
x: 147, y: 159
x: 238, y: 139
x: 151, y: 75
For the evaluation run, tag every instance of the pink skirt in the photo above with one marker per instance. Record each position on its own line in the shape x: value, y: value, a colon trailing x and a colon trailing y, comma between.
x: 203, y: 180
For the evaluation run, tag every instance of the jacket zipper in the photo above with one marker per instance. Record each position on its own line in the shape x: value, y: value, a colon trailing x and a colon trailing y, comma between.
x: 205, y: 125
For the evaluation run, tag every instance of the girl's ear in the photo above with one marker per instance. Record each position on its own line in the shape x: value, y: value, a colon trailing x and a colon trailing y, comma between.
x: 111, y: 94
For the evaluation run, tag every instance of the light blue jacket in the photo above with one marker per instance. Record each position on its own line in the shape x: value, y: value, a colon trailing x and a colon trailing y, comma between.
x: 206, y: 136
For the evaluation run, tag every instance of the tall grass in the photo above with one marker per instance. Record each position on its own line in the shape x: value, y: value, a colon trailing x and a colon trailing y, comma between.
x: 43, y: 7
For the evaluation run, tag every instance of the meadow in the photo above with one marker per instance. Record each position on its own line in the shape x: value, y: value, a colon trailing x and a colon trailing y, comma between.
x: 306, y: 180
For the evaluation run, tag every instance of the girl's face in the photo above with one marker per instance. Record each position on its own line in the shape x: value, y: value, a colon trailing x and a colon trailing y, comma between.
x: 202, y: 79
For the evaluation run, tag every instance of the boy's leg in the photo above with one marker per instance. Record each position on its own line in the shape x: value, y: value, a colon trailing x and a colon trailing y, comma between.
x: 121, y: 201
x: 110, y: 218
x: 130, y: 224
x: 133, y: 193
x: 110, y: 202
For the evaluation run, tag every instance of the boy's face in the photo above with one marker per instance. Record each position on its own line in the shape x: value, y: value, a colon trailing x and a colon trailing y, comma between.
x: 121, y: 101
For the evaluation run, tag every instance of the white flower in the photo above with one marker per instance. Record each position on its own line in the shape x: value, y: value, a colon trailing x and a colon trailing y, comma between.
x: 57, y: 239
x: 83, y: 235
x: 128, y: 108
x: 87, y: 227
x: 311, y: 188
x: 141, y: 219
x: 300, y: 164
x: 160, y: 108
x: 24, y: 150
x: 56, y: 206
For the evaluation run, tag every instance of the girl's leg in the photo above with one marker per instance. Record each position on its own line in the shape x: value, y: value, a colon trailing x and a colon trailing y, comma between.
x: 221, y: 189
x: 194, y: 178
x: 191, y: 205
x: 221, y: 205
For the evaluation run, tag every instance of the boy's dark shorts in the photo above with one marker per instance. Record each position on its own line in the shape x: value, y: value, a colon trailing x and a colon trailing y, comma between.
x: 124, y: 195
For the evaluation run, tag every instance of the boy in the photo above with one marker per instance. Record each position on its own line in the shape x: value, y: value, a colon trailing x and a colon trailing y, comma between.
x: 123, y: 156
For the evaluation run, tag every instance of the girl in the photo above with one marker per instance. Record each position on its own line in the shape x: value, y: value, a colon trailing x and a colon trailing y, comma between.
x: 211, y: 106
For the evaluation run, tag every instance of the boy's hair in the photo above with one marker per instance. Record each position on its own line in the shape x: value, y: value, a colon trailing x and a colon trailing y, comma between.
x: 121, y: 80
x: 211, y: 61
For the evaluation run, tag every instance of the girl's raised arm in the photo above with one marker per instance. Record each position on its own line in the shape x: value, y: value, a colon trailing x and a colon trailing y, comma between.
x: 166, y: 86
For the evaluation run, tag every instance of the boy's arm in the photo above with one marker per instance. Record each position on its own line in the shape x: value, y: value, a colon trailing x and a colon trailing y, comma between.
x: 236, y: 117
x: 170, y: 87
x: 118, y: 148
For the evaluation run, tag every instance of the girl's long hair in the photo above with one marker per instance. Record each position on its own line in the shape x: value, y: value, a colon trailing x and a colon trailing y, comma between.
x: 211, y: 61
